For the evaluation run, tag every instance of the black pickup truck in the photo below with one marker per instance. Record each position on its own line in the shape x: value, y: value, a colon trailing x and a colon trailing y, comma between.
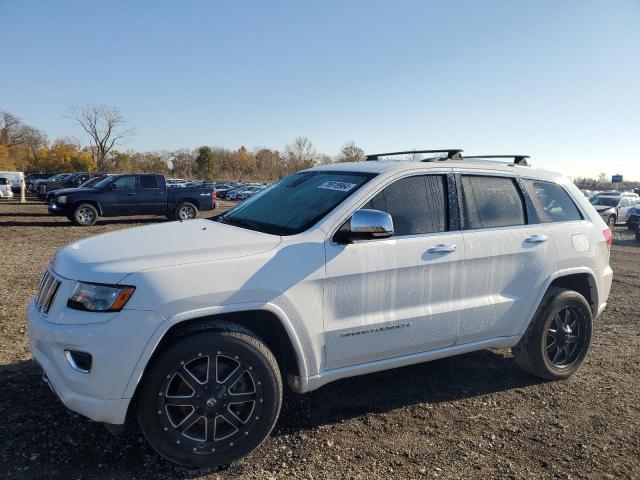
x: 131, y: 194
x: 57, y: 182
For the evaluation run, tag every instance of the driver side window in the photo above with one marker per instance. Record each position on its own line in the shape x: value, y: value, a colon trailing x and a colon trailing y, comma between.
x: 418, y: 205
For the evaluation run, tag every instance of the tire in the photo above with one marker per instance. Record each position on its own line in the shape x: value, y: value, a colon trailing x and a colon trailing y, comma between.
x: 84, y: 215
x: 186, y: 211
x: 223, y: 431
x: 536, y: 351
x: 611, y: 221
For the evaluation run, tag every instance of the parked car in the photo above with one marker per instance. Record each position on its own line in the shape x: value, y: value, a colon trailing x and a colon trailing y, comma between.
x: 132, y: 194
x: 233, y: 194
x: 92, y: 182
x: 71, y: 180
x: 29, y: 180
x: 5, y: 188
x: 633, y: 218
x: 224, y: 188
x: 14, y: 179
x: 249, y: 192
x: 336, y: 271
x: 614, y: 208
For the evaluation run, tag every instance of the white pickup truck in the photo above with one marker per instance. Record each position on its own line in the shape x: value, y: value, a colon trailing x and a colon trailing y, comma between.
x: 336, y: 271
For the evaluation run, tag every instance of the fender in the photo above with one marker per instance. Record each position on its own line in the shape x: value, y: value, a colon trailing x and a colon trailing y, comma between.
x: 297, y: 384
x: 551, y: 279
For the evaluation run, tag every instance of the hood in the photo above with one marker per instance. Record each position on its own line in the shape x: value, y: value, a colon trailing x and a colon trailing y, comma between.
x: 66, y: 191
x: 109, y: 257
x: 602, y: 208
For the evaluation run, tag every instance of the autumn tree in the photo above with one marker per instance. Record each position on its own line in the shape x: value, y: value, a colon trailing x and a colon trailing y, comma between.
x: 269, y: 165
x: 206, y: 166
x: 64, y: 156
x: 19, y: 143
x: 351, y: 153
x: 300, y: 155
x: 105, y: 127
x: 183, y: 163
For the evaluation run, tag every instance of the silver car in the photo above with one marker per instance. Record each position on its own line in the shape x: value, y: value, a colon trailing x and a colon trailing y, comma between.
x: 614, y: 208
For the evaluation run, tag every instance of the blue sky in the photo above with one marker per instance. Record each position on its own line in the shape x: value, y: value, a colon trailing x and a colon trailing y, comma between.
x: 559, y: 80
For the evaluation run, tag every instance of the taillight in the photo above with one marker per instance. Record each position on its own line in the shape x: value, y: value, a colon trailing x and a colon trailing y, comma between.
x: 608, y: 236
x: 214, y: 196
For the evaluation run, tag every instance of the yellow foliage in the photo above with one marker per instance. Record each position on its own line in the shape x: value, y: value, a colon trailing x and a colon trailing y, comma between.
x: 64, y: 156
x: 6, y: 162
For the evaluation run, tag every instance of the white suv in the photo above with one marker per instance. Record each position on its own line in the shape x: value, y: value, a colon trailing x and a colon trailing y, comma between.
x: 336, y: 271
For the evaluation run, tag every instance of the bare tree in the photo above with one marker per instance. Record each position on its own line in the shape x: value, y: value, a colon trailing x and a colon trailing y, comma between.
x: 105, y: 127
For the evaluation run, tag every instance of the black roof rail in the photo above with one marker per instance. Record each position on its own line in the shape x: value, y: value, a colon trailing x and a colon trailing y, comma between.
x: 517, y: 159
x: 452, y: 153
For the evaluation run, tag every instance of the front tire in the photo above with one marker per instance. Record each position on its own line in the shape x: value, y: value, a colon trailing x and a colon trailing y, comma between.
x: 84, y: 215
x: 210, y: 397
x: 557, y: 341
x: 611, y: 221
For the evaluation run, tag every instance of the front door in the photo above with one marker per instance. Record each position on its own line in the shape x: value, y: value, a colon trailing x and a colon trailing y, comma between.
x: 124, y: 194
x: 398, y: 296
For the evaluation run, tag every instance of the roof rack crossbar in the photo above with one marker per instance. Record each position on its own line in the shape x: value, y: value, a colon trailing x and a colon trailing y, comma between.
x: 517, y: 159
x: 451, y: 153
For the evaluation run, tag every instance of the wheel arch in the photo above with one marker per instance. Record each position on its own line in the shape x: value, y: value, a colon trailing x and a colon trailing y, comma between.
x: 582, y: 281
x: 95, y: 203
x: 267, y: 321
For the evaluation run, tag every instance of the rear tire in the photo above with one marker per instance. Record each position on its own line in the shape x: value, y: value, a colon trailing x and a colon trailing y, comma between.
x: 186, y: 406
x: 186, y: 211
x: 558, y: 338
x: 84, y: 215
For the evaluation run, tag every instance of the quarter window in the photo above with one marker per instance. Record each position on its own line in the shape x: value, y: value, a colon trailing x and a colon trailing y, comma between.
x: 487, y: 202
x: 551, y: 203
x: 418, y: 205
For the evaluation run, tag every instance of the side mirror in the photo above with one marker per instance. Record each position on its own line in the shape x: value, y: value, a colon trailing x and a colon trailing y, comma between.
x: 369, y: 225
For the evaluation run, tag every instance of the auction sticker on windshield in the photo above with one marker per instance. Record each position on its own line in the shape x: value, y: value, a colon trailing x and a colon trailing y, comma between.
x: 339, y: 186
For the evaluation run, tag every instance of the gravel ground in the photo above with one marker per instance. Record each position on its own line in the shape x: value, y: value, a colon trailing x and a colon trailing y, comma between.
x: 473, y: 416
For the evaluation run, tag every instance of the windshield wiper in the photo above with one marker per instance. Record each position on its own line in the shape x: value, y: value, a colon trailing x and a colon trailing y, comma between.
x: 239, y: 221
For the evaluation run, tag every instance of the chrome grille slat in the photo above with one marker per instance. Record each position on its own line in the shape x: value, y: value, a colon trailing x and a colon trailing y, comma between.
x: 47, y: 291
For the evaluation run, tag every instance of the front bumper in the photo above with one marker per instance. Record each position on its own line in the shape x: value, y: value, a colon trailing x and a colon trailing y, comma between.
x: 55, y: 209
x: 115, y: 345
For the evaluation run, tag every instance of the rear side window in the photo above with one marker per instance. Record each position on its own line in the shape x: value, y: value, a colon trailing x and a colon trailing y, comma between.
x: 487, y: 202
x: 551, y: 203
x: 148, y: 181
x: 417, y: 204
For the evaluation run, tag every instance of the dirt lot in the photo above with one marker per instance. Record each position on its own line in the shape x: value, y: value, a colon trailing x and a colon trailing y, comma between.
x: 474, y: 416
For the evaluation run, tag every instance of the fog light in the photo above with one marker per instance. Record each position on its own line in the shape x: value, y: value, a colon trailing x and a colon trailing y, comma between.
x: 79, y: 361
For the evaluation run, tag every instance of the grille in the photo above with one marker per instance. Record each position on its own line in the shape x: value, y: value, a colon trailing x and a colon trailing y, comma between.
x: 47, y: 291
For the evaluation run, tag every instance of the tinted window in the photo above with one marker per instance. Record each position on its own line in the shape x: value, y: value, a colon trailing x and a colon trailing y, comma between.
x: 551, y: 203
x: 417, y: 204
x: 490, y: 202
x: 125, y: 183
x: 148, y: 181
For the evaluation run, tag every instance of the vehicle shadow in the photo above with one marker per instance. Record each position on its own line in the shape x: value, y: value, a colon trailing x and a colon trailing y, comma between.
x: 35, y: 417
x: 63, y: 222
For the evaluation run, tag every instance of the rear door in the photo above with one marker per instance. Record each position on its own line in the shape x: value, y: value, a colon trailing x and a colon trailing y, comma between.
x: 151, y: 198
x: 506, y: 257
x: 623, y: 209
x: 397, y: 296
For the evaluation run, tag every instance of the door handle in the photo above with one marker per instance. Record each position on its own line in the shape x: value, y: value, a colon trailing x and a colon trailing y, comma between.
x: 443, y: 248
x: 536, y: 239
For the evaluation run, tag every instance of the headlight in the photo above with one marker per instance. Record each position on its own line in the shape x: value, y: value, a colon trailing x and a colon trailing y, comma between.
x: 99, y: 298
x: 62, y: 199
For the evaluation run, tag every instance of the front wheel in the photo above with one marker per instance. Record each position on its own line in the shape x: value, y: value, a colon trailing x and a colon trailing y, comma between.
x: 84, y: 215
x: 186, y: 211
x: 611, y: 221
x: 557, y: 341
x: 210, y: 398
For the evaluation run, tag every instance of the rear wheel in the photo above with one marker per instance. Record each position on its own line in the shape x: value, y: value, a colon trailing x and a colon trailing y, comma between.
x: 84, y: 215
x: 559, y: 336
x: 186, y: 211
x: 210, y: 398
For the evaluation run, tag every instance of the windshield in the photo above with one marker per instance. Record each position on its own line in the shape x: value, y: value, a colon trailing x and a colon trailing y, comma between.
x: 295, y: 203
x: 607, y: 201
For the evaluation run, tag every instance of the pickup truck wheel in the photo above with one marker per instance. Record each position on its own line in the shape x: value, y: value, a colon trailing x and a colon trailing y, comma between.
x: 210, y: 397
x: 85, y: 215
x: 186, y: 211
x: 559, y: 336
